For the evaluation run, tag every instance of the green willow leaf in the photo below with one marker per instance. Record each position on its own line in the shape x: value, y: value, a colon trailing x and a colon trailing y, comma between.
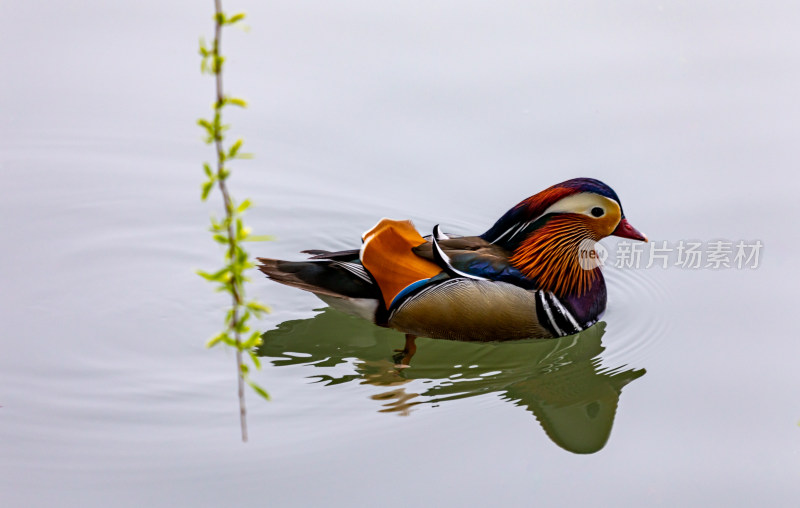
x: 257, y: 307
x: 235, y: 148
x: 258, y: 389
x: 217, y: 62
x: 206, y: 190
x: 256, y: 361
x: 260, y: 238
x: 216, y: 340
x: 244, y: 205
x: 253, y: 341
x: 236, y: 18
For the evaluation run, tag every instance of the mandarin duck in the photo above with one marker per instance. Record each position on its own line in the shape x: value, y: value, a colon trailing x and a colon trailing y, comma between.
x: 525, y: 277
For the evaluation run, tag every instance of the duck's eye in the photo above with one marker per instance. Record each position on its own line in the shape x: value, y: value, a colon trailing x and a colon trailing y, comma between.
x: 597, y: 211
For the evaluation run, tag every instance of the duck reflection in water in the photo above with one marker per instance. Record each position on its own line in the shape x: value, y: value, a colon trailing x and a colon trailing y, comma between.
x: 561, y: 381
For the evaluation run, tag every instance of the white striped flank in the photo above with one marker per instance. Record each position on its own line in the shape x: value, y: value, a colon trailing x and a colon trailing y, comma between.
x: 566, y: 313
x: 549, y: 313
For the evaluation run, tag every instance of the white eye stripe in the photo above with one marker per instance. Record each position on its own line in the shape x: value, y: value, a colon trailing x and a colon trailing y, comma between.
x: 583, y: 202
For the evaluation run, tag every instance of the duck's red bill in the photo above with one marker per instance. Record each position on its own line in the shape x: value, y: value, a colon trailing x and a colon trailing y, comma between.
x: 625, y: 230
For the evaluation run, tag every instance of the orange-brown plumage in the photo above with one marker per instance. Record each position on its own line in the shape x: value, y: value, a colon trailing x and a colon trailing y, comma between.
x: 550, y: 256
x: 388, y: 255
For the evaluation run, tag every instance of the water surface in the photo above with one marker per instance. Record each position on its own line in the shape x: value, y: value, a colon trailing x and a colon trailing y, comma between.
x: 447, y: 113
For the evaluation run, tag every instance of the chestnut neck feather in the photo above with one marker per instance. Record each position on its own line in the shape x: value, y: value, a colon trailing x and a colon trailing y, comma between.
x: 550, y: 256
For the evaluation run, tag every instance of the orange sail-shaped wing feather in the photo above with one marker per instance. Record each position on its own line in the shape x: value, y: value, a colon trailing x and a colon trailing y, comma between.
x: 387, y: 254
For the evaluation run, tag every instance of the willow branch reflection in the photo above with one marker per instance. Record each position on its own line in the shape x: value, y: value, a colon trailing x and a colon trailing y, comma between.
x: 560, y: 381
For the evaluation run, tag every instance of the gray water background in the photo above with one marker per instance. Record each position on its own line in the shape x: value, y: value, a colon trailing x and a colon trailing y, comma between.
x: 445, y: 112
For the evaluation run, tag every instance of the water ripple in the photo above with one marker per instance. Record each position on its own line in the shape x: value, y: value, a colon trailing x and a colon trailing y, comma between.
x: 635, y: 315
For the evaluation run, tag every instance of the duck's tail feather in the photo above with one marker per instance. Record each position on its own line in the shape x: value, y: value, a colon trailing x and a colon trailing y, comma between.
x: 341, y: 255
x: 339, y: 279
